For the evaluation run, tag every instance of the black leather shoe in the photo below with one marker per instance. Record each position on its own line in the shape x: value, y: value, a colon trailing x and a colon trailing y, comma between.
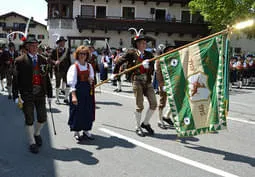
x: 78, y: 138
x: 140, y: 132
x: 33, y: 148
x: 66, y: 101
x: 38, y: 140
x: 85, y: 136
x: 162, y: 126
x: 169, y: 121
x: 57, y: 101
x: 148, y: 128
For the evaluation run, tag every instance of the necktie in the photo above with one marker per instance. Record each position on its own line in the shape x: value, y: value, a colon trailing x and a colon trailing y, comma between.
x: 34, y: 60
x: 141, y: 56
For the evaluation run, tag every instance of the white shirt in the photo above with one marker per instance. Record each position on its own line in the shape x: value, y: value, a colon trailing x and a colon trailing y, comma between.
x: 72, y: 74
x: 33, y: 57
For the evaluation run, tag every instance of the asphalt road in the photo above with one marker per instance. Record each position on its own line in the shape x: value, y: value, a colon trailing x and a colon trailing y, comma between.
x: 118, y: 152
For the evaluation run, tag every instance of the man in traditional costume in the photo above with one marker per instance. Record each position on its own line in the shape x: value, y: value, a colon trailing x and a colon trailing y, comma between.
x: 7, y: 59
x: 31, y: 81
x: 162, y: 94
x: 61, y: 59
x: 141, y: 80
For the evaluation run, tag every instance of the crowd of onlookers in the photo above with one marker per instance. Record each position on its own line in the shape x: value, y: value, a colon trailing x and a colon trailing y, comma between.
x: 242, y: 70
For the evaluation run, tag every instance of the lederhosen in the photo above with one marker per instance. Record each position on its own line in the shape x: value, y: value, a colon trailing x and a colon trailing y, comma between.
x: 142, y: 86
x: 35, y: 98
x: 81, y: 116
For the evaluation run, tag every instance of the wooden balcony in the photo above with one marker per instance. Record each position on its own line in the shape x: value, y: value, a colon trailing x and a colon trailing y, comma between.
x: 149, y: 25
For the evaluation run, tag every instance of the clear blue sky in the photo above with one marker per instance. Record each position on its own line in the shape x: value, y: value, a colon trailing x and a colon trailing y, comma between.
x: 28, y: 8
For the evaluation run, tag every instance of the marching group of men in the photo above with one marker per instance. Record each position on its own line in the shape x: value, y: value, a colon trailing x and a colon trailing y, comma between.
x: 29, y: 73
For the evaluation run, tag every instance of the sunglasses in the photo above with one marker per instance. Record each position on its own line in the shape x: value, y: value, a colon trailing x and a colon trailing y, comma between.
x: 83, y: 53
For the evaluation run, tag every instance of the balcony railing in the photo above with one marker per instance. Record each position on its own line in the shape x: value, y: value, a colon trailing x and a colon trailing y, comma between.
x: 148, y: 24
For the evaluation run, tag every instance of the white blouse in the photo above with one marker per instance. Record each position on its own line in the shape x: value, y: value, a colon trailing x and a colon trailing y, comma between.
x: 72, y: 74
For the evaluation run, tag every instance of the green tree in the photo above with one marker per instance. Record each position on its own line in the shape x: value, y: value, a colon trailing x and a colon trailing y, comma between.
x: 221, y: 13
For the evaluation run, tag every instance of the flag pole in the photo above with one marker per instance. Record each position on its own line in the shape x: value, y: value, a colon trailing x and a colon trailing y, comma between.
x: 227, y: 30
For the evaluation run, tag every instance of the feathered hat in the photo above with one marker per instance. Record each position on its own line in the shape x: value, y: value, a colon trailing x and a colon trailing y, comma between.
x: 59, y: 38
x: 138, y: 36
x: 24, y: 34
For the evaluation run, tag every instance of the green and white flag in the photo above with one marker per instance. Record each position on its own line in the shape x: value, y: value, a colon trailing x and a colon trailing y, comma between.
x: 195, y: 79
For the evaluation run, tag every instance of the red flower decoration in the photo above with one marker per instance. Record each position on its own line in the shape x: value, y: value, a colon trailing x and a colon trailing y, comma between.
x: 23, y: 38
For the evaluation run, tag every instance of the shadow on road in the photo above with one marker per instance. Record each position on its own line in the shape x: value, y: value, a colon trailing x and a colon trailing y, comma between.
x: 108, y: 103
x: 227, y: 155
x: 73, y: 154
x: 107, y: 142
x: 239, y: 91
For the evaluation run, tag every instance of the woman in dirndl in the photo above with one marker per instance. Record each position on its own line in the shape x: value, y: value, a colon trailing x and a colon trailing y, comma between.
x: 80, y: 77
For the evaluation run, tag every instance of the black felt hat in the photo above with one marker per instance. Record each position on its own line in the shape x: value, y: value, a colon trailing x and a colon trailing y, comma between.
x: 61, y: 38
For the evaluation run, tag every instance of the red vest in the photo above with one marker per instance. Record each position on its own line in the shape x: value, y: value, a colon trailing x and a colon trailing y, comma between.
x: 141, y: 68
x: 37, y: 78
x: 82, y: 75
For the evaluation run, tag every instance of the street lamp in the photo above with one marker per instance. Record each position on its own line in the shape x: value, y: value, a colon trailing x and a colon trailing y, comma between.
x: 244, y: 24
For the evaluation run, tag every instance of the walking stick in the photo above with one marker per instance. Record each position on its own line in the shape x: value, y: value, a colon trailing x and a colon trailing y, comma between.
x: 54, y: 129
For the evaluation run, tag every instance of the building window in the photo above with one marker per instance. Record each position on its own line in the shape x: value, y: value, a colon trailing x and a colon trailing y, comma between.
x: 65, y: 11
x: 160, y: 14
x: 197, y: 18
x: 2, y: 24
x: 16, y: 25
x: 40, y: 36
x: 88, y: 10
x: 186, y: 16
x: 128, y: 12
x: 22, y: 26
x: 54, y: 11
x: 32, y: 36
x: 100, y: 11
x: 3, y: 35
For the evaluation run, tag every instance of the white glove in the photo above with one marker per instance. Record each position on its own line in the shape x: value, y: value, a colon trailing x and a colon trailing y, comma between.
x: 113, y: 76
x: 164, y: 88
x: 146, y: 64
x: 17, y: 100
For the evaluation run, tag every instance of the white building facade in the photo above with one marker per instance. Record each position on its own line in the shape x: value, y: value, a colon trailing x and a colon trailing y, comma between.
x: 13, y: 21
x: 164, y: 22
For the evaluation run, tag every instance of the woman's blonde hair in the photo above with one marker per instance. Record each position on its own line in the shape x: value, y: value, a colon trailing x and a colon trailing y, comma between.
x: 81, y: 49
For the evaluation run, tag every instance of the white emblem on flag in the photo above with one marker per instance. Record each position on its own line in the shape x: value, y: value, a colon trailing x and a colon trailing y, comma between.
x: 198, y: 89
x: 174, y: 62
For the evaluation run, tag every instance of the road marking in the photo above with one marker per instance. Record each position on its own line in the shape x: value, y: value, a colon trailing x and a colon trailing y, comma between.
x: 170, y: 155
x: 117, y: 94
x: 241, y: 120
x: 229, y: 118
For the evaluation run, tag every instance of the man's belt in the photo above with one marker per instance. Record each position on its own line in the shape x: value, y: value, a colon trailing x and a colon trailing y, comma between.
x: 140, y: 77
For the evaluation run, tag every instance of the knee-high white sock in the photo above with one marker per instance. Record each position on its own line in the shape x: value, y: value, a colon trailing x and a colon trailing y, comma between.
x: 148, y: 116
x: 2, y: 84
x: 167, y: 113
x: 30, y: 134
x: 57, y: 93
x: 118, y: 85
x: 160, y: 113
x: 63, y: 85
x: 66, y: 93
x: 38, y: 128
x: 138, y: 116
